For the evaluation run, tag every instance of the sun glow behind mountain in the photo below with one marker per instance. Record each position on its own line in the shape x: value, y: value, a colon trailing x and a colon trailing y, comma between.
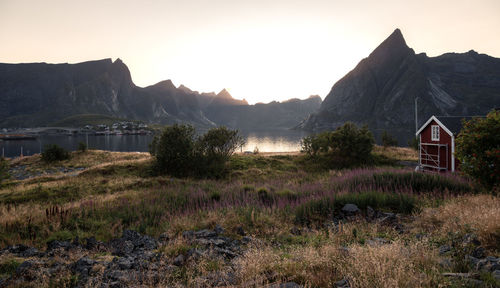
x: 260, y: 50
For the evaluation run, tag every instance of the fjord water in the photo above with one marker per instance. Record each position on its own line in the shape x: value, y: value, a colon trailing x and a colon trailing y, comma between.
x: 265, y: 141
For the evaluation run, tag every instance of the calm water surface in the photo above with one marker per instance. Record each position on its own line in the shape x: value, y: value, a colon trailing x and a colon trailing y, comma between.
x: 265, y: 141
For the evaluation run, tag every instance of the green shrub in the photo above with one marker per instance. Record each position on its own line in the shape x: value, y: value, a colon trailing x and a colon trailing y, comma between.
x: 315, y: 210
x: 347, y: 146
x: 264, y: 195
x: 213, y: 150
x: 82, y: 147
x: 318, y: 210
x: 400, y: 203
x: 388, y: 140
x: 314, y: 144
x: 174, y: 151
x: 478, y: 149
x: 179, y: 153
x: 54, y: 152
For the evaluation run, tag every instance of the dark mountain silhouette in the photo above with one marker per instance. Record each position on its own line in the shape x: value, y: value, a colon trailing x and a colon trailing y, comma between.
x: 40, y: 94
x: 273, y: 115
x: 381, y: 90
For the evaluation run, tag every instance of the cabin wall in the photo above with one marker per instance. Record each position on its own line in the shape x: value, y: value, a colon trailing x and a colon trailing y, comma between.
x: 444, y: 138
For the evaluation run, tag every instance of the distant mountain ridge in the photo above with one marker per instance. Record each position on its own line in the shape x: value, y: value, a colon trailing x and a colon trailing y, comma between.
x: 381, y: 90
x: 41, y: 94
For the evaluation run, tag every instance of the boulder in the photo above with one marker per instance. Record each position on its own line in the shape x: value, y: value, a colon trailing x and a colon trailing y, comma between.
x: 350, y: 209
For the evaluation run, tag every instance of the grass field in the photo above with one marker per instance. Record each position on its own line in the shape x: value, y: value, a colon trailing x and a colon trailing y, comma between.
x: 268, y: 196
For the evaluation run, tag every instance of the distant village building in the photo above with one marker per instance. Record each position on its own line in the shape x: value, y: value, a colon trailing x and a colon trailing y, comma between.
x: 437, y: 143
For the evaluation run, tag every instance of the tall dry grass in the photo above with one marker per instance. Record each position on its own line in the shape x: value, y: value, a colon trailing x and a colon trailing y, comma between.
x: 479, y: 214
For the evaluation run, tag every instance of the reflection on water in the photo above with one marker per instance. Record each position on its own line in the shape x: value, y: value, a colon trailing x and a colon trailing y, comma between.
x: 273, y: 141
x: 265, y: 141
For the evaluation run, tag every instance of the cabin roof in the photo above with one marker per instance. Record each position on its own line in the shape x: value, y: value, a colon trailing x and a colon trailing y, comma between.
x: 451, y: 124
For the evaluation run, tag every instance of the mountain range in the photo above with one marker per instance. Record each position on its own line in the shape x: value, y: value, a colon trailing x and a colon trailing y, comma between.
x: 41, y: 94
x: 381, y: 90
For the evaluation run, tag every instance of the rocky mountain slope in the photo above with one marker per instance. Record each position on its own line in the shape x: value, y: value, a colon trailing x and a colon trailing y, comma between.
x: 40, y: 94
x: 381, y: 90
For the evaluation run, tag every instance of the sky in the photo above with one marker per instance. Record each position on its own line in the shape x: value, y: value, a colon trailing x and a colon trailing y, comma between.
x: 260, y: 50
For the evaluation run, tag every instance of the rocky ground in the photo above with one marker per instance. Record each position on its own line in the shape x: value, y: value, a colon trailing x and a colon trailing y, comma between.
x: 142, y: 261
x: 21, y: 173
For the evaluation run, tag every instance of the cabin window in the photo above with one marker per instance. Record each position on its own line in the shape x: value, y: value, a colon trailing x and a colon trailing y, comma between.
x: 435, y: 132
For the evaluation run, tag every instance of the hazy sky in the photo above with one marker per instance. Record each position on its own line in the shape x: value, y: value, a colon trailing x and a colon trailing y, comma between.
x: 261, y: 50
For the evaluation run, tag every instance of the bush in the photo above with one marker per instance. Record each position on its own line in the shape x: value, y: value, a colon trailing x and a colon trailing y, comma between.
x: 478, y: 149
x: 82, y: 147
x: 388, y: 140
x: 179, y: 153
x: 4, y: 170
x: 214, y: 149
x: 174, y: 151
x: 54, y: 152
x: 347, y: 146
x: 314, y: 144
x: 317, y: 210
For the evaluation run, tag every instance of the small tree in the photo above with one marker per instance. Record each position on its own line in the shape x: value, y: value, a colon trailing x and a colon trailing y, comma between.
x: 388, y: 140
x: 352, y: 145
x: 179, y: 153
x: 478, y: 149
x: 54, y: 152
x: 174, y: 150
x: 314, y: 144
x: 214, y: 148
x: 346, y: 146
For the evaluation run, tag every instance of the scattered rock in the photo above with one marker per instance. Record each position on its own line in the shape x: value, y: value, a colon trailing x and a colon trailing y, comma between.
x: 83, y: 265
x: 179, y: 260
x: 205, y: 233
x: 444, y: 249
x: 125, y: 263
x: 23, y: 250
x: 342, y: 283
x: 55, y: 244
x: 240, y: 231
x: 496, y: 274
x: 296, y: 231
x: 218, y: 229
x: 470, y: 239
x: 164, y: 238
x: 387, y: 219
x: 350, y: 209
x: 479, y: 252
x: 376, y: 241
x: 370, y: 212
x: 285, y: 285
x: 188, y: 234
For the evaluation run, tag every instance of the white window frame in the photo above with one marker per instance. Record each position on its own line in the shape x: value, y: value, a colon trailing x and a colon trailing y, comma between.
x: 435, y: 132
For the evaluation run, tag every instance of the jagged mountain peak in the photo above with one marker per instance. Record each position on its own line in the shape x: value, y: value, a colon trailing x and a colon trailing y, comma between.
x: 380, y: 91
x: 392, y: 46
x: 224, y: 94
x: 165, y: 84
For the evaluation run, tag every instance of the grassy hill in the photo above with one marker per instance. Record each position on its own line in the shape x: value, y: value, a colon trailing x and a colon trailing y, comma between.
x: 274, y: 219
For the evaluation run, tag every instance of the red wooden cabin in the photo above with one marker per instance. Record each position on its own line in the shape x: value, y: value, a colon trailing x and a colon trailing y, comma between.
x: 437, y: 143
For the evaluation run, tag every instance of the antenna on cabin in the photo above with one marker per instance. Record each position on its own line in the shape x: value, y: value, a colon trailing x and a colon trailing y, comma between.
x: 416, y: 116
